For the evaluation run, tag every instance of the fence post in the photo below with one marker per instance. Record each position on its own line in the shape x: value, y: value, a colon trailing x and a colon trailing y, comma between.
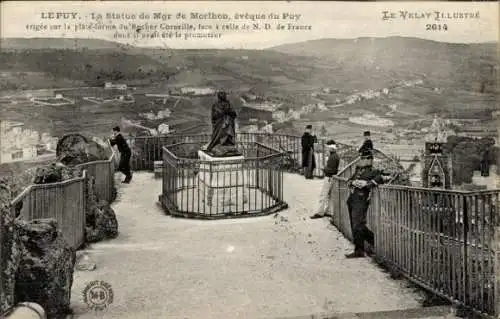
x: 377, y: 210
x: 323, y: 157
x: 339, y: 205
x: 257, y: 170
x: 466, y: 296
x: 496, y: 258
x: 85, y: 189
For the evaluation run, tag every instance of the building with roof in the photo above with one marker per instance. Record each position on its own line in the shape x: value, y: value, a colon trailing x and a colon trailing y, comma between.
x: 17, y: 143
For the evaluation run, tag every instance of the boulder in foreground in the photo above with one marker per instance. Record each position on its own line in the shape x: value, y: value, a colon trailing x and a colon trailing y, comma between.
x: 100, y: 219
x: 45, y: 273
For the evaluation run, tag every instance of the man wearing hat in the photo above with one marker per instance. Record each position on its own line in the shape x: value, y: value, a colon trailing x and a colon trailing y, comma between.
x: 308, y: 159
x: 331, y: 169
x: 364, y: 179
x: 367, y: 144
x: 125, y: 153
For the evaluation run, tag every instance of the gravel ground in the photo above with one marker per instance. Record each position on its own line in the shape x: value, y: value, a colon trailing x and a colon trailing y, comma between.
x: 266, y: 267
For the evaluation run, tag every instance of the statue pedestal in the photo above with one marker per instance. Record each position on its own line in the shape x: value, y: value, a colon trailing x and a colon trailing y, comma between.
x: 222, y: 182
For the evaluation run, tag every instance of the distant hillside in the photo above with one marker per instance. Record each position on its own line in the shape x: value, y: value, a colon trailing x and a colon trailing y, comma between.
x: 454, y: 76
x: 92, y: 67
x: 96, y: 61
x: 468, y: 66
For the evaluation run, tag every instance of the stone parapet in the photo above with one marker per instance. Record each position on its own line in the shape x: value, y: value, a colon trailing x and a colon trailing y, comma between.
x: 222, y: 181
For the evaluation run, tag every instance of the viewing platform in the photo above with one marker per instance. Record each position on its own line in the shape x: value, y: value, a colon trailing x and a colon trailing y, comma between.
x: 280, y: 263
x: 283, y: 265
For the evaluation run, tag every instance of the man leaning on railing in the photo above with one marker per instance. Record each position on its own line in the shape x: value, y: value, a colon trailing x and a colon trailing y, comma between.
x: 125, y: 153
x: 364, y: 179
x: 331, y: 169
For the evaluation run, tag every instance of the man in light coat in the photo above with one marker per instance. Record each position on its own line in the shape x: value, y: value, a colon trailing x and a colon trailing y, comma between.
x: 331, y: 169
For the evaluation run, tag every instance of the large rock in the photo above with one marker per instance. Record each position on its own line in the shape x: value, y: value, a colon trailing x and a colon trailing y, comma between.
x: 10, y: 248
x: 45, y: 273
x: 100, y: 218
x: 74, y: 149
x: 101, y: 223
x: 50, y: 173
x: 55, y: 172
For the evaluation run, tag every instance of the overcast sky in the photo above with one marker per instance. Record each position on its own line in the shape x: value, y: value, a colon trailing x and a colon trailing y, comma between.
x: 327, y: 19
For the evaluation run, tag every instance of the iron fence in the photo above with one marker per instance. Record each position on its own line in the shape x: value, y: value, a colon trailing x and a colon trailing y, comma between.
x: 103, y: 173
x: 445, y: 241
x: 387, y: 163
x: 249, y: 186
x: 63, y: 201
x: 148, y: 149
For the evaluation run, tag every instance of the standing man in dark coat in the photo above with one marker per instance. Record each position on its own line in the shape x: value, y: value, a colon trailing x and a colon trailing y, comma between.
x: 485, y: 168
x: 308, y: 158
x: 331, y: 169
x: 367, y: 144
x: 125, y: 153
x: 364, y: 179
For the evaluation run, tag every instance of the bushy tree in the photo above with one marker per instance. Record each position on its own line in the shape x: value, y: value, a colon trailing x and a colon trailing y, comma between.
x: 467, y: 154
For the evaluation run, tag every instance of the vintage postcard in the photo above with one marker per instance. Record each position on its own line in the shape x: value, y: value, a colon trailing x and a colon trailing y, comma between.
x: 226, y: 159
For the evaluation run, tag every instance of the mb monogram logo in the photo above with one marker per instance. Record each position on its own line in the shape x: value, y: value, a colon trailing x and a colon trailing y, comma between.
x: 98, y: 295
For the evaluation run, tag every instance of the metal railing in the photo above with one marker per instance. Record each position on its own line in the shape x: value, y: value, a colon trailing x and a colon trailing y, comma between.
x: 63, y: 201
x: 148, y: 149
x: 250, y: 186
x: 103, y: 173
x: 381, y: 161
x: 445, y: 241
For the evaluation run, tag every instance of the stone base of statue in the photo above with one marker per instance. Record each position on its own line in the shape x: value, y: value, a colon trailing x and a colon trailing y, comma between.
x: 223, y: 151
x: 222, y: 182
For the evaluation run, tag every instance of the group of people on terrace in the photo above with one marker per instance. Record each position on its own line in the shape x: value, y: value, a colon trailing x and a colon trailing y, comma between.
x: 364, y: 179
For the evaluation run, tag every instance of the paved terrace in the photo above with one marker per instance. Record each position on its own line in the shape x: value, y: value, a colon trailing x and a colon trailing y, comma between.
x: 283, y: 265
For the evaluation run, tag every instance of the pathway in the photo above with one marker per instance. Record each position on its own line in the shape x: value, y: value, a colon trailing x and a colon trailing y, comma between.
x: 266, y: 267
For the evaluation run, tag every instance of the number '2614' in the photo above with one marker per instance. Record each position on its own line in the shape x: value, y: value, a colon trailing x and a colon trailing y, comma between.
x: 436, y: 27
